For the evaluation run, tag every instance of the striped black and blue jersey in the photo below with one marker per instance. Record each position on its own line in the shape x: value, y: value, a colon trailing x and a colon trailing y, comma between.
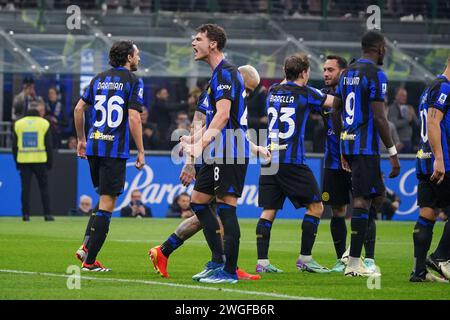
x: 332, y: 155
x: 436, y: 95
x: 204, y: 107
x: 227, y: 83
x: 288, y: 106
x: 110, y: 95
x: 360, y: 84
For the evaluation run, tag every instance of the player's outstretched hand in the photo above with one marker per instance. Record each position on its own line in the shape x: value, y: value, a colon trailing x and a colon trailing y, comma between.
x: 191, y: 150
x: 265, y: 153
x: 140, y: 161
x: 186, y: 139
x: 345, y: 164
x: 395, y: 166
x: 187, y: 174
x: 438, y: 172
x: 81, y: 149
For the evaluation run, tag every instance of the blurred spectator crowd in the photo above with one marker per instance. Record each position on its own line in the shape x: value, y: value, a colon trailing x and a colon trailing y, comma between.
x: 415, y: 10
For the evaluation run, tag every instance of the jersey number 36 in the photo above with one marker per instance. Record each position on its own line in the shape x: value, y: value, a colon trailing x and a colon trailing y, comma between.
x: 114, y: 104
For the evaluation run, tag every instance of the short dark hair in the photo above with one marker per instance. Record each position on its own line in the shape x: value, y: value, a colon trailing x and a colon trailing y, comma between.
x: 341, y: 62
x: 214, y: 33
x: 371, y: 40
x: 159, y: 89
x: 294, y: 65
x: 28, y: 80
x: 118, y: 55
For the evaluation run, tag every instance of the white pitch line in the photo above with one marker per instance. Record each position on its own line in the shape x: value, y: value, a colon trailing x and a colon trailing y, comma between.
x: 176, y: 285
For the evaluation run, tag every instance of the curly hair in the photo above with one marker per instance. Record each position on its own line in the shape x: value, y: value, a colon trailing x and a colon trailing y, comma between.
x: 118, y: 55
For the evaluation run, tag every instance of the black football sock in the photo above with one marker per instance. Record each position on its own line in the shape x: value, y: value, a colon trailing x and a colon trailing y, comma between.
x: 263, y: 229
x: 99, y: 231
x: 339, y: 235
x: 231, y: 237
x: 171, y: 244
x: 211, y: 230
x: 442, y: 251
x: 309, y: 231
x: 359, y: 226
x: 369, y: 242
x: 422, y: 236
x: 87, y: 233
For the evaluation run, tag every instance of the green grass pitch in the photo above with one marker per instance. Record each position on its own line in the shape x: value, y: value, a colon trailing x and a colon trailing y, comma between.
x: 36, y: 255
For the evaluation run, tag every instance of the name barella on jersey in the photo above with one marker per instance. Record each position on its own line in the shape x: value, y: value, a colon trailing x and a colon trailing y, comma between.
x: 288, y: 106
x: 436, y: 95
x: 360, y: 84
x: 227, y: 83
x: 332, y: 155
x: 111, y: 94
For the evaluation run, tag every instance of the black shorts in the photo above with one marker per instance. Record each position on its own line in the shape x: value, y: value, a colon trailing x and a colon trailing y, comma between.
x: 367, y: 180
x: 294, y: 181
x: 432, y: 195
x: 336, y: 187
x: 108, y: 174
x: 221, y: 179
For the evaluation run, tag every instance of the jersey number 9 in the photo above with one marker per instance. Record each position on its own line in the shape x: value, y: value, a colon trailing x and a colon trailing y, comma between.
x: 350, y: 108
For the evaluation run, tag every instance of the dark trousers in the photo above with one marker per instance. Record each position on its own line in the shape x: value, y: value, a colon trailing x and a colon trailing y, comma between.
x: 26, y: 173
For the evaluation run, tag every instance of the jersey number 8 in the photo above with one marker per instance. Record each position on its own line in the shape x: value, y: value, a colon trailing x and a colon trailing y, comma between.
x: 114, y: 104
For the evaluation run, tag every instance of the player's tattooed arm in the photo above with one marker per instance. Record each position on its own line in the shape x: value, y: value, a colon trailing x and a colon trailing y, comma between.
x: 199, y: 119
x: 187, y: 174
x: 382, y: 125
x: 188, y: 228
x: 197, y: 129
x: 434, y: 119
x: 198, y: 126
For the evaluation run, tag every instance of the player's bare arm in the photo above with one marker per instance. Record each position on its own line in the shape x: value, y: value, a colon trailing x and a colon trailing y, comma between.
x: 188, y: 172
x: 382, y: 126
x: 332, y: 102
x: 80, y: 108
x: 134, y: 120
x: 434, y: 119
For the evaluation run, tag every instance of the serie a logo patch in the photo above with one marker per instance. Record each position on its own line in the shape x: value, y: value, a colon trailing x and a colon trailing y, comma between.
x: 442, y: 98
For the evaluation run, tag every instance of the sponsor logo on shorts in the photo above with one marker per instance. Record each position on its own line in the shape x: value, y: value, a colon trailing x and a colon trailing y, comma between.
x: 97, y: 135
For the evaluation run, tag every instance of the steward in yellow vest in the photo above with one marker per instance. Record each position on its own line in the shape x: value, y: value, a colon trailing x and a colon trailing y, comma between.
x: 32, y: 150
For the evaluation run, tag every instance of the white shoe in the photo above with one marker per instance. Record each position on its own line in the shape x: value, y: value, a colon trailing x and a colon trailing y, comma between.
x: 360, y: 271
x: 445, y: 269
x: 345, y: 255
x: 369, y: 264
x: 426, y: 277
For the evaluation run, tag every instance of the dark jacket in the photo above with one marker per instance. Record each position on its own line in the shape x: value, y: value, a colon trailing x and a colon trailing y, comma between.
x: 127, y: 211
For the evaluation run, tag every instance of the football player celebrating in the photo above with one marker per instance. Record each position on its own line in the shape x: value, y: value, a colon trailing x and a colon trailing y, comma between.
x: 433, y: 173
